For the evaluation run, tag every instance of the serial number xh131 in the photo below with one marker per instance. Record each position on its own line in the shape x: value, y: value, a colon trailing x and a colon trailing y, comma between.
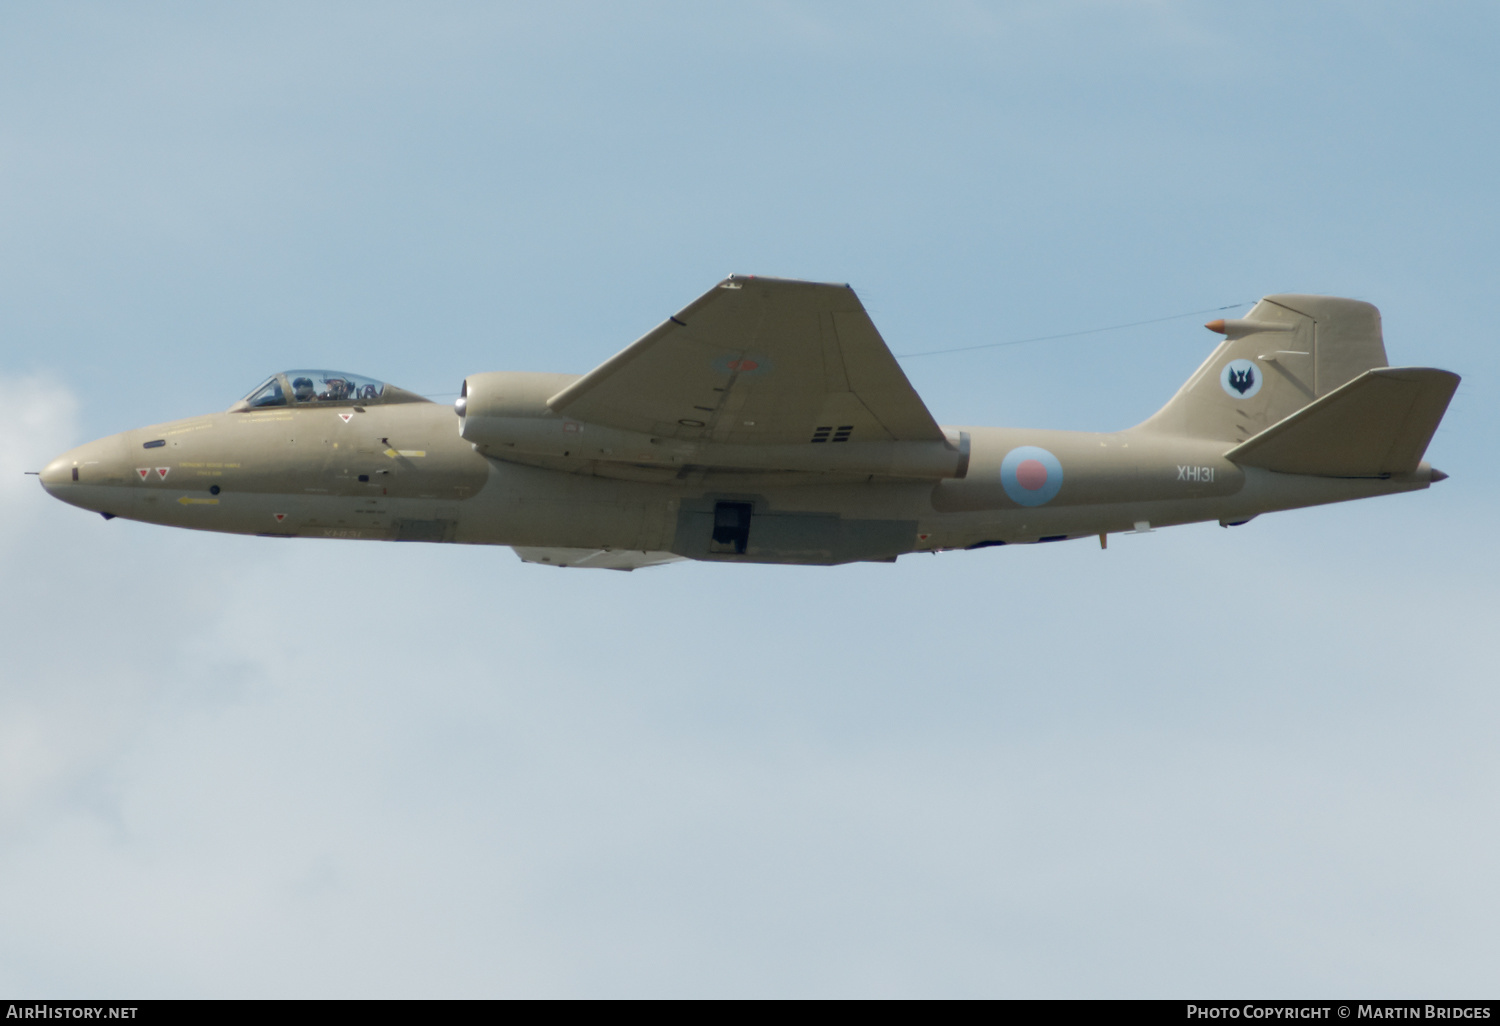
x: 767, y: 422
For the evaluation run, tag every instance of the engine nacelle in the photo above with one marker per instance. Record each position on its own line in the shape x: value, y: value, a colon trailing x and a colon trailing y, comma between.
x: 505, y: 394
x: 505, y: 413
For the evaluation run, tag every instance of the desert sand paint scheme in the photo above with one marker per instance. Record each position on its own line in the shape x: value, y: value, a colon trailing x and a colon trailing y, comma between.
x: 767, y: 422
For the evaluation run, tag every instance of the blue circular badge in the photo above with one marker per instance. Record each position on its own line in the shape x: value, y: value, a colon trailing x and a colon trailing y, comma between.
x: 1031, y: 476
x: 1240, y: 378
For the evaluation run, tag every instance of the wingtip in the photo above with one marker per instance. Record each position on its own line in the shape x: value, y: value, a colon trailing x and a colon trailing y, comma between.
x: 1217, y: 326
x: 1437, y: 475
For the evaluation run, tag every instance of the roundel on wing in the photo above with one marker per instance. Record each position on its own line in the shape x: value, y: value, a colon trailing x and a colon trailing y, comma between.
x: 1031, y: 475
x: 742, y: 364
x: 1240, y: 378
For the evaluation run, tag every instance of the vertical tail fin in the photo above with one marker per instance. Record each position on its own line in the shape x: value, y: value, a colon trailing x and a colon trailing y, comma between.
x: 1284, y: 354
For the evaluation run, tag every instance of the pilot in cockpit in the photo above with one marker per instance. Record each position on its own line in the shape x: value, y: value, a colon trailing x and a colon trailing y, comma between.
x: 338, y: 389
x: 302, y: 389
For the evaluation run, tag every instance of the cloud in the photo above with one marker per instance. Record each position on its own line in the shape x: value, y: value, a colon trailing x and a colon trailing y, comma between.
x: 37, y: 422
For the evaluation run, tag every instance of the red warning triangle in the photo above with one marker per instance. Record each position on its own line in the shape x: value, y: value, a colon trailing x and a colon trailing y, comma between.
x: 280, y: 517
x: 161, y: 472
x: 145, y: 472
x: 345, y: 417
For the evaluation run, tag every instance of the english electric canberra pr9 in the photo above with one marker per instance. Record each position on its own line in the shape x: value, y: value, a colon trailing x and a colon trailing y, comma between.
x: 767, y: 422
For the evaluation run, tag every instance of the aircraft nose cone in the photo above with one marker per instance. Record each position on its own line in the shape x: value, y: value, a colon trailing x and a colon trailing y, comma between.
x: 88, y: 476
x: 57, y: 475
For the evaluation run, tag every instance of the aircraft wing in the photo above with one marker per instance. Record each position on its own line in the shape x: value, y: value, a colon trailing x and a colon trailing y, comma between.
x: 757, y: 361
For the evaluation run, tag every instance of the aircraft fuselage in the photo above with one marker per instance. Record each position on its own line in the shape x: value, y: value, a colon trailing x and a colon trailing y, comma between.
x: 403, y: 473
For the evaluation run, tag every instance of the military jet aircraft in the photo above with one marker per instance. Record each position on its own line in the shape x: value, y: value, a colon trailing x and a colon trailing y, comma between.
x: 767, y: 422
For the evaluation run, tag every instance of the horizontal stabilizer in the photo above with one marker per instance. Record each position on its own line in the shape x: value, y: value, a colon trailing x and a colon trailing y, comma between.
x: 1377, y: 424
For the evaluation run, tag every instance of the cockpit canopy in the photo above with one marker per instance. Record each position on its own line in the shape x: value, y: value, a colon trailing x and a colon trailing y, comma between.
x: 322, y: 388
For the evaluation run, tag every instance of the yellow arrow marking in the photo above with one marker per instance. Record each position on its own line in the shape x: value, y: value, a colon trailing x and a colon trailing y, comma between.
x: 393, y: 453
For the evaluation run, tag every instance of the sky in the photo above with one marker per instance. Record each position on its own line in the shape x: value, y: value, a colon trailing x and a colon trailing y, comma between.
x: 1256, y: 762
